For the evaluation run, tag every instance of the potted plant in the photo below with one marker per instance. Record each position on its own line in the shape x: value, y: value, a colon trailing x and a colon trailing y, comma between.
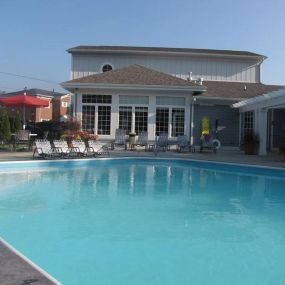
x: 251, y: 143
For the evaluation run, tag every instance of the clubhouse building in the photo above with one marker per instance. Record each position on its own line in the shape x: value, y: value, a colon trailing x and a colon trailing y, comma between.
x: 169, y: 90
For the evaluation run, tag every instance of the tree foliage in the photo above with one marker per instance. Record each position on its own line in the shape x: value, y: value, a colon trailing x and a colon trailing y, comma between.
x: 5, y: 127
x: 17, y: 122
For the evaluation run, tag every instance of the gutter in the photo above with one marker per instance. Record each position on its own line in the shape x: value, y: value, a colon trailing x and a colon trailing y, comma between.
x: 133, y: 87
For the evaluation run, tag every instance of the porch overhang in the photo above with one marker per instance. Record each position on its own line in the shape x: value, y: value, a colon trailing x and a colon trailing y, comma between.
x: 271, y: 100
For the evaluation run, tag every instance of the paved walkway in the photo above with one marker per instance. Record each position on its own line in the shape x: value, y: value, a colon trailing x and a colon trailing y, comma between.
x: 230, y: 156
x: 15, y: 271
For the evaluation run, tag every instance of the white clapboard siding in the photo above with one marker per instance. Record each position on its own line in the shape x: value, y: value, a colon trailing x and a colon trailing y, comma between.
x: 208, y: 68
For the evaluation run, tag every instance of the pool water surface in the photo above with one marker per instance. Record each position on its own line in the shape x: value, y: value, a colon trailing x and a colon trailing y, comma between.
x: 147, y: 222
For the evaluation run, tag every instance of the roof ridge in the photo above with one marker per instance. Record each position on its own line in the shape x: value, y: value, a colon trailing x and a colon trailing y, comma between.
x: 163, y: 49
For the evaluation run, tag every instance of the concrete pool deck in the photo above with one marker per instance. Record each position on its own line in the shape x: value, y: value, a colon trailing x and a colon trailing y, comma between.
x: 14, y: 270
x: 226, y: 156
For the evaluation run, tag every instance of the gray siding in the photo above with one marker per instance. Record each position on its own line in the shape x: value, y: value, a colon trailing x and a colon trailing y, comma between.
x: 215, y: 69
x: 226, y: 116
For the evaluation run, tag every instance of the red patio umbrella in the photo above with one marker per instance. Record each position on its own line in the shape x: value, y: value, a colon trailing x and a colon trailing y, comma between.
x: 25, y: 101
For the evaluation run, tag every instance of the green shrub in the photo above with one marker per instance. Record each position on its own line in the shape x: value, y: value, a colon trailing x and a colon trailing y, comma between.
x: 5, y: 127
x: 17, y: 122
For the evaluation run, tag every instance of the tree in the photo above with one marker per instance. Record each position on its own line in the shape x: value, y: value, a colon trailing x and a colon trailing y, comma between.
x: 17, y: 122
x: 5, y: 127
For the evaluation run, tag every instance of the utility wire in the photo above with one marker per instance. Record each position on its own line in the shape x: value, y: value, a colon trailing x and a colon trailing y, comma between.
x: 10, y: 88
x: 29, y: 77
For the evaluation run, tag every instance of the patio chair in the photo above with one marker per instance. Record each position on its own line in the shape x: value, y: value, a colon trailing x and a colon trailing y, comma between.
x: 209, y: 142
x: 182, y: 143
x: 162, y: 142
x: 22, y: 137
x: 79, y: 148
x: 142, y: 140
x: 97, y: 148
x: 120, y: 139
x: 62, y: 145
x: 45, y: 150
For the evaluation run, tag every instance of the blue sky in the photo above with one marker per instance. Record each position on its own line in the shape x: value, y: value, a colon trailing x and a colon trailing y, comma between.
x: 35, y: 34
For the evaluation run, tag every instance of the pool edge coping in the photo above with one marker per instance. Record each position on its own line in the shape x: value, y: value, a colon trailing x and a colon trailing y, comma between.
x: 29, y: 261
x: 147, y: 158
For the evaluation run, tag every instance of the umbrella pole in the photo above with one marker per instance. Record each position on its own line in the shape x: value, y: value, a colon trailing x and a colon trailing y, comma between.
x: 24, y: 117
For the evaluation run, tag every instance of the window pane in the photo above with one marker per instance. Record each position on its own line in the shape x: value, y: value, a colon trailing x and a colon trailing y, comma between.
x: 125, y: 118
x: 162, y: 117
x: 89, y: 98
x: 171, y: 101
x: 141, y: 119
x: 104, y: 120
x: 123, y: 99
x: 178, y: 116
x: 88, y: 118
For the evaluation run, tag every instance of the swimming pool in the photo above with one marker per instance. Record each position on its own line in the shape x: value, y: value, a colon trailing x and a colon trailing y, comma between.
x: 146, y: 221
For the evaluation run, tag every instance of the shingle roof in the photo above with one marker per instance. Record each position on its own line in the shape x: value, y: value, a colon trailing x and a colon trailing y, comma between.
x: 134, y: 75
x: 98, y: 49
x: 237, y: 90
x: 34, y: 92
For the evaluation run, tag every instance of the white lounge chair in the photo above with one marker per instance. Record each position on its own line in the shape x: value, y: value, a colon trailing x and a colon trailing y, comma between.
x: 97, y: 148
x: 45, y: 150
x: 66, y: 151
x: 79, y: 147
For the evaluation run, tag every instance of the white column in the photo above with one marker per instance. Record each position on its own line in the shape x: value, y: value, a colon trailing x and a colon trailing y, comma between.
x: 169, y: 122
x: 261, y: 130
x: 192, y: 122
x: 151, y: 117
x: 133, y: 120
x: 187, y: 120
x: 78, y: 112
x: 114, y: 115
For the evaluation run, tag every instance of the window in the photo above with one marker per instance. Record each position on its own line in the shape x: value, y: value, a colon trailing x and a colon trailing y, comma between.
x: 125, y: 118
x: 93, y: 99
x: 162, y: 117
x: 141, y: 119
x: 107, y: 67
x: 125, y: 99
x: 88, y: 118
x: 247, y: 123
x: 104, y: 120
x: 171, y: 101
x: 178, y: 117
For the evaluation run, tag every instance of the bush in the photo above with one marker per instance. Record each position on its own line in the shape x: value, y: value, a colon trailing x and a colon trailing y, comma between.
x: 5, y: 127
x: 17, y: 122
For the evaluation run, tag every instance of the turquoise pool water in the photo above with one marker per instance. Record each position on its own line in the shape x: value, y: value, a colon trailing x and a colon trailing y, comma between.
x: 147, y: 221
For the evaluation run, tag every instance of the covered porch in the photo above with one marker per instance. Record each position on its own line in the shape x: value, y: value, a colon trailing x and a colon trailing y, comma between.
x: 264, y: 116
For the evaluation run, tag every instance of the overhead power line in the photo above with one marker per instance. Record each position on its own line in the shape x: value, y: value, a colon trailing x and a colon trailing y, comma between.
x: 10, y: 88
x: 28, y: 77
